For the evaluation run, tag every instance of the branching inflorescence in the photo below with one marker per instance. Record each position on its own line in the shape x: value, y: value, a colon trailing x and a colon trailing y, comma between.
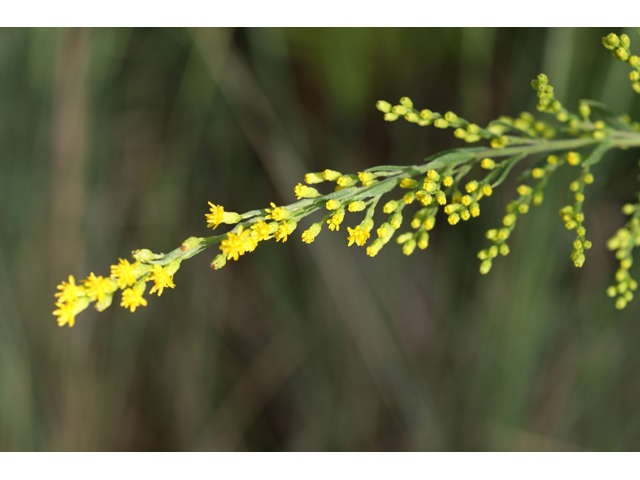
x: 418, y: 192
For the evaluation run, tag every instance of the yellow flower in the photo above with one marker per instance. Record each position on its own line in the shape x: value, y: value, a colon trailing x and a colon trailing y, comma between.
x: 161, y: 278
x: 374, y: 248
x: 335, y: 220
x: 218, y: 216
x: 215, y: 217
x: 573, y: 158
x: 277, y: 213
x: 260, y: 231
x: 332, y: 204
x: 302, y: 191
x: 235, y: 244
x: 358, y: 235
x: 433, y: 175
x: 488, y: 164
x: 310, y: 235
x: 124, y: 273
x: 97, y: 287
x: 132, y: 299
x: 65, y: 313
x: 314, y: 177
x: 284, y: 231
x: 366, y: 178
x: 70, y: 291
x: 331, y: 175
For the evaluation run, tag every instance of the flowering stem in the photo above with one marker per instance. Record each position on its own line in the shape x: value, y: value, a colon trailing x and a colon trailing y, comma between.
x: 394, y: 175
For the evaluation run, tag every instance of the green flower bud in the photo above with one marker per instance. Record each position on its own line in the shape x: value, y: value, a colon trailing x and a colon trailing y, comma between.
x: 450, y: 117
x: 219, y: 262
x: 426, y: 114
x: 611, y: 41
x: 144, y: 255
x: 399, y: 110
x: 621, y: 54
x: 409, y: 247
x: 384, y: 107
x: 485, y: 266
x: 625, y: 41
x: 404, y: 238
x: 584, y: 110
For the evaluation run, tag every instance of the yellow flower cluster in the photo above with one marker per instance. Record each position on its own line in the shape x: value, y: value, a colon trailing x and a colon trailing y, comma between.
x: 130, y: 278
x: 620, y: 49
x: 623, y: 243
x: 572, y: 215
x: 71, y: 300
x: 464, y: 130
x: 527, y: 196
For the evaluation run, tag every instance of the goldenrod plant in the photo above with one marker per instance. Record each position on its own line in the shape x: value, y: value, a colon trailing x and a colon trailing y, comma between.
x: 453, y: 181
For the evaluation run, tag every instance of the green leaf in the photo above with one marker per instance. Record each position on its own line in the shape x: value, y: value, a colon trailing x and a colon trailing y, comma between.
x: 451, y: 158
x: 596, y: 154
x: 507, y: 168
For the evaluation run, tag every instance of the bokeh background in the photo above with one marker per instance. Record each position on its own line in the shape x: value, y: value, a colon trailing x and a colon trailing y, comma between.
x: 115, y: 139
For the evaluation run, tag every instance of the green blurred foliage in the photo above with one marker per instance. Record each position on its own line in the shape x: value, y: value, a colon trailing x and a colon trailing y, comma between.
x: 115, y: 139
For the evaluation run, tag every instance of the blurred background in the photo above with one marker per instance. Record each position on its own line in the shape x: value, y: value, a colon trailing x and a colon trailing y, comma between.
x: 115, y: 139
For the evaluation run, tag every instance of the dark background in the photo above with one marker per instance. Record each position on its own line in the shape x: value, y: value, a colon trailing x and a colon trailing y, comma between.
x: 115, y: 139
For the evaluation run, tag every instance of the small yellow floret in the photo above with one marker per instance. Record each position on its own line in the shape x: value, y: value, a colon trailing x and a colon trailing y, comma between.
x: 284, y: 230
x: 358, y: 235
x: 524, y: 190
x: 132, y: 299
x: 357, y: 206
x: 447, y: 181
x: 215, y: 217
x: 390, y: 206
x: 235, y: 244
x: 374, y: 248
x: 366, y: 178
x: 69, y: 291
x: 313, y: 177
x: 488, y: 164
x: 161, y: 279
x: 277, y: 213
x: 260, y: 231
x: 408, y: 183
x: 572, y: 158
x: 302, y: 191
x: 332, y: 204
x: 308, y: 236
x: 331, y: 175
x: 97, y: 288
x: 335, y: 220
x: 429, y: 223
x: 537, y: 173
x: 433, y: 175
x: 453, y: 218
x: 430, y: 186
x: 65, y: 313
x: 124, y: 273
